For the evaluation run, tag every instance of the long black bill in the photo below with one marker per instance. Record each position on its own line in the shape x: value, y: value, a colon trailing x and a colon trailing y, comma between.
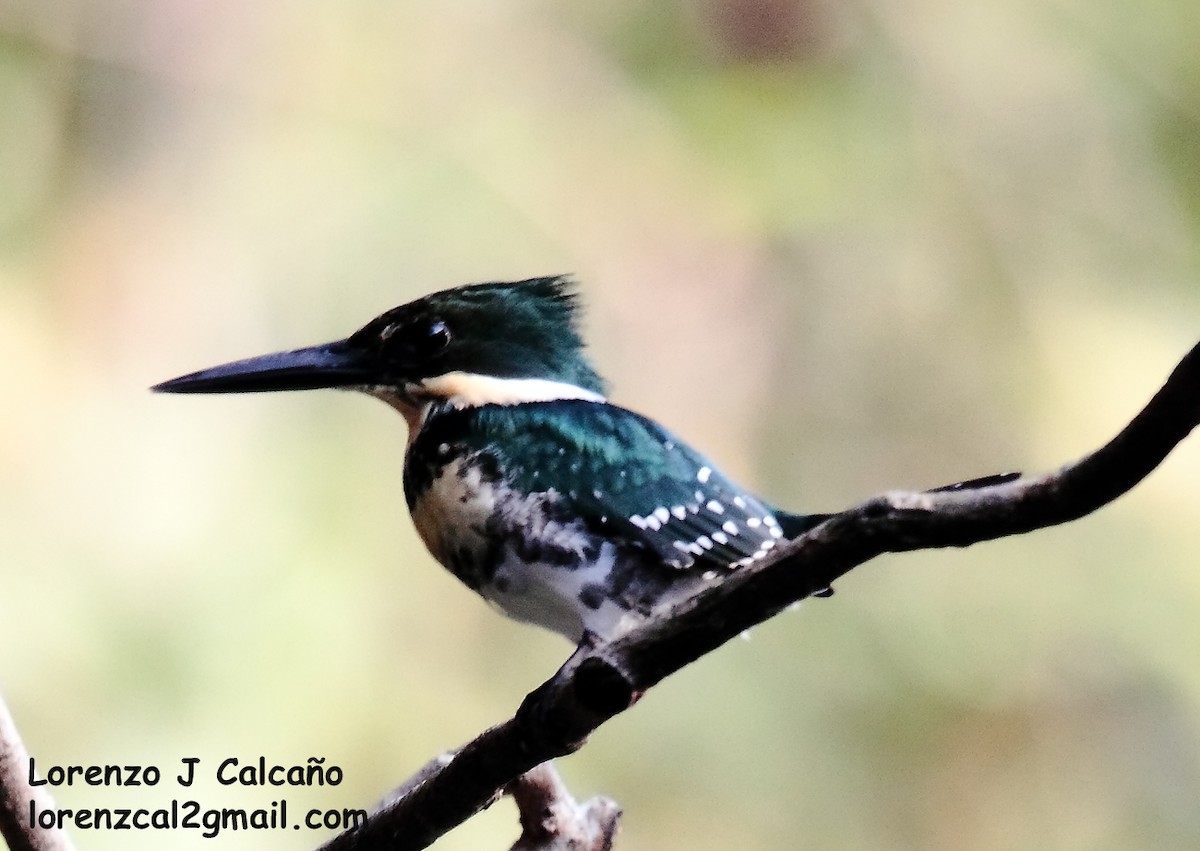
x: 330, y: 365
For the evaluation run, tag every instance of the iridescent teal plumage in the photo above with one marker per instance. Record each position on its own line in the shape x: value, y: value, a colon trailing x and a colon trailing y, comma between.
x: 559, y: 507
x: 607, y: 464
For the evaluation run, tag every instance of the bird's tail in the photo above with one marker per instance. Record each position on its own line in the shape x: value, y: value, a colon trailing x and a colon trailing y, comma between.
x: 795, y: 525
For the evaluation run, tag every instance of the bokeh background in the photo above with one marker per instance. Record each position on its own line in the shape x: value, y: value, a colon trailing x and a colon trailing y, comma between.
x: 842, y: 247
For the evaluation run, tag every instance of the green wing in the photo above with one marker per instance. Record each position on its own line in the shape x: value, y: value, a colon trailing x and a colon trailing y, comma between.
x: 629, y: 478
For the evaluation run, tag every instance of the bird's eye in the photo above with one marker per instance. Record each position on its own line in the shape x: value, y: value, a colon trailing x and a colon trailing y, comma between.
x: 436, y: 338
x: 413, y: 341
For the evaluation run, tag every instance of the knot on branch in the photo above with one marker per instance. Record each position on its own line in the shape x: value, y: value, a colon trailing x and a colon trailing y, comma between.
x: 601, y: 688
x: 587, y: 691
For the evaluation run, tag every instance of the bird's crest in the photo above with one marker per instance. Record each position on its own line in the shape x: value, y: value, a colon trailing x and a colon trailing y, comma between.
x: 508, y: 330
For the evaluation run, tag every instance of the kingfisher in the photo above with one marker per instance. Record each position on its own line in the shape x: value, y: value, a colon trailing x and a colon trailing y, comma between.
x: 557, y: 506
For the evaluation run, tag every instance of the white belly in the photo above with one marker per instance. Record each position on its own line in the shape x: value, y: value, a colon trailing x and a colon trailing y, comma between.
x: 553, y: 596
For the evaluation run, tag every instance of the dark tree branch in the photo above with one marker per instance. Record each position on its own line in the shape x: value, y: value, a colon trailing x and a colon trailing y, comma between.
x: 598, y: 682
x: 16, y: 795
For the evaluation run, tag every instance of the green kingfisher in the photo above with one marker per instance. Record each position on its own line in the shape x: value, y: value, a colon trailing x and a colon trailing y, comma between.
x: 559, y: 507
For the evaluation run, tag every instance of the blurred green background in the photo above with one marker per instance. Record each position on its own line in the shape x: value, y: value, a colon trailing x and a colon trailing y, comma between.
x: 842, y: 247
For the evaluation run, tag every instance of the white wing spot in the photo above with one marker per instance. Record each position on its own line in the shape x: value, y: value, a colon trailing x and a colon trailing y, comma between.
x: 597, y: 494
x: 681, y: 546
x: 638, y: 520
x: 709, y: 575
x: 699, y: 496
x: 739, y: 502
x: 653, y: 523
x: 679, y: 511
x: 753, y: 522
x: 662, y: 514
x: 702, y: 474
x: 720, y: 537
x: 715, y: 507
x: 730, y: 527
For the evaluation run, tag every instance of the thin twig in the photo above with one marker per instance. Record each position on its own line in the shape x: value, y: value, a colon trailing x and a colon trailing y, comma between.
x: 552, y: 820
x: 598, y: 682
x: 18, y: 798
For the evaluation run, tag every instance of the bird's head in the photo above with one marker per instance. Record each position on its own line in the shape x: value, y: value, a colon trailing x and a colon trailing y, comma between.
x: 503, y: 342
